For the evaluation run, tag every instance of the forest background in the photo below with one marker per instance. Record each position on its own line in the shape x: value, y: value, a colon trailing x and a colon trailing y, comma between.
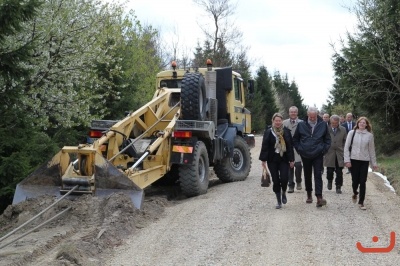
x: 65, y: 63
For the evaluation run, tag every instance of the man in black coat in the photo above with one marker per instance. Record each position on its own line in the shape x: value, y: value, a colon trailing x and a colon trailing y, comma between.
x: 312, y: 140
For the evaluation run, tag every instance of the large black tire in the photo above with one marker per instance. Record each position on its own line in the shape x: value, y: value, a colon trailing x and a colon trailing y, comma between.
x: 193, y: 97
x: 194, y: 178
x: 238, y: 167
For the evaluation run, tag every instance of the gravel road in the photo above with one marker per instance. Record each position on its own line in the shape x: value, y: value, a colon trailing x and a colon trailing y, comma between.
x: 237, y: 224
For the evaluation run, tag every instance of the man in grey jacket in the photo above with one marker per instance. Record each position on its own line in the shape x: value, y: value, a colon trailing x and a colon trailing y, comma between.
x: 291, y: 123
x: 333, y: 159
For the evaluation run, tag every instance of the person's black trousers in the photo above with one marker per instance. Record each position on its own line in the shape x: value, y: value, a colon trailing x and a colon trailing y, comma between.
x: 359, y: 173
x: 309, y: 165
x: 295, y: 171
x: 339, y: 174
x: 279, y: 174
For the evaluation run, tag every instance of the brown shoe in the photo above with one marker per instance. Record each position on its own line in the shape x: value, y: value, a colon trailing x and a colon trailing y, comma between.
x: 309, y: 197
x: 362, y: 207
x: 320, y: 201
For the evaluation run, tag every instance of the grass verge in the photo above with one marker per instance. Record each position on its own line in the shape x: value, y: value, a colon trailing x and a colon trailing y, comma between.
x: 390, y: 167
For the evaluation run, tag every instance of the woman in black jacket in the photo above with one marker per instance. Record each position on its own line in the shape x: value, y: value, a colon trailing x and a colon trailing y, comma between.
x: 277, y: 153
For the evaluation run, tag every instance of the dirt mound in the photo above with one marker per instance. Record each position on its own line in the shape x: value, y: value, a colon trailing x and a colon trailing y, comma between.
x: 79, y: 237
x: 87, y: 233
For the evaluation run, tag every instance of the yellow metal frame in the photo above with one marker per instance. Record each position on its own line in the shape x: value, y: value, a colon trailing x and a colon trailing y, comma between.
x: 155, y: 119
x: 235, y: 117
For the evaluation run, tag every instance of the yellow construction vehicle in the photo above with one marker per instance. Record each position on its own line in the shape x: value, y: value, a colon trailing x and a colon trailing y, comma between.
x: 196, y: 119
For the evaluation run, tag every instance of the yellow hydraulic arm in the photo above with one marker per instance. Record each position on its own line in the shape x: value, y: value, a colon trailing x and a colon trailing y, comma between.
x: 154, y: 121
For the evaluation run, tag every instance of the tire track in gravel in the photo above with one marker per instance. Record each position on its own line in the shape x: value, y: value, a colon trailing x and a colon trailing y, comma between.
x: 82, y: 236
x: 39, y: 251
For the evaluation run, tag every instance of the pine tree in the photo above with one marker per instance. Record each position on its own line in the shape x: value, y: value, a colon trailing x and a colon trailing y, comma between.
x: 16, y: 149
x: 13, y: 56
x: 297, y: 99
x: 284, y: 99
x: 264, y: 105
x: 367, y: 70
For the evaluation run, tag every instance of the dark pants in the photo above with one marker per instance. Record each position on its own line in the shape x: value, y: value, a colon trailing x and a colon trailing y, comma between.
x: 359, y: 173
x: 279, y: 174
x: 309, y: 165
x: 339, y: 174
x: 295, y: 171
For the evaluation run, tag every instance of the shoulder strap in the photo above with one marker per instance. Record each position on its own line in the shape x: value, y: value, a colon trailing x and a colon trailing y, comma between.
x: 352, y: 137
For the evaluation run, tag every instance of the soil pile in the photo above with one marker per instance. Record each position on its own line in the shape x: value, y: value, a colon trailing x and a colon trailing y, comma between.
x: 81, y: 236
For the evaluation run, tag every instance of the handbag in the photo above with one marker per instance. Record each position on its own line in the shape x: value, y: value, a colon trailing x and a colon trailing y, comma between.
x: 265, y: 178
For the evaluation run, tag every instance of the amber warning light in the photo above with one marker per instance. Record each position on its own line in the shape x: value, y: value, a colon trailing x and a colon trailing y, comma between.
x: 182, y: 134
x: 173, y: 64
x: 209, y: 64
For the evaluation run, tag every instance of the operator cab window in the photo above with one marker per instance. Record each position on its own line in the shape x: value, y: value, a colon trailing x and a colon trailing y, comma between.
x: 171, y: 83
x: 237, y: 85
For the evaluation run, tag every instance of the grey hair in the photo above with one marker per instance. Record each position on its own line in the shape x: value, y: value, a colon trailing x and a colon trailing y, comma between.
x: 335, y: 118
x: 294, y: 108
x: 312, y: 109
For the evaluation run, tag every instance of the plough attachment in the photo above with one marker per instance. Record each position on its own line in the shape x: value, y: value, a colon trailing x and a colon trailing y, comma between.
x: 102, y: 179
x: 117, y: 162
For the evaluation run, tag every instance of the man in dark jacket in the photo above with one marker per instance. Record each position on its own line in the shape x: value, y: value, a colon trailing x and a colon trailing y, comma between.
x: 312, y: 140
x: 349, y: 124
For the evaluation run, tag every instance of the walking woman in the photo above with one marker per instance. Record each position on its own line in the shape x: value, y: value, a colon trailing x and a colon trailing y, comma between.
x: 359, y: 152
x: 277, y: 153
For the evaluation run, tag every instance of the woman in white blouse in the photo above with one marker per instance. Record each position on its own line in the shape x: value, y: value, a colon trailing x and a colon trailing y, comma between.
x: 359, y: 152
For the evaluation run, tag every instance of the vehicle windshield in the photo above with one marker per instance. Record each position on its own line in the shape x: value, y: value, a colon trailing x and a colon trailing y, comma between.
x: 171, y: 83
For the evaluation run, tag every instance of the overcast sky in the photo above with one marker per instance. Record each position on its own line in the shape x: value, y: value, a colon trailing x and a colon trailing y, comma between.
x: 290, y: 36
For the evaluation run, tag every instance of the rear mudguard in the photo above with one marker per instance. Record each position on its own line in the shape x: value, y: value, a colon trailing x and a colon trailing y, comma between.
x: 182, y: 150
x: 250, y: 139
x: 230, y: 136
